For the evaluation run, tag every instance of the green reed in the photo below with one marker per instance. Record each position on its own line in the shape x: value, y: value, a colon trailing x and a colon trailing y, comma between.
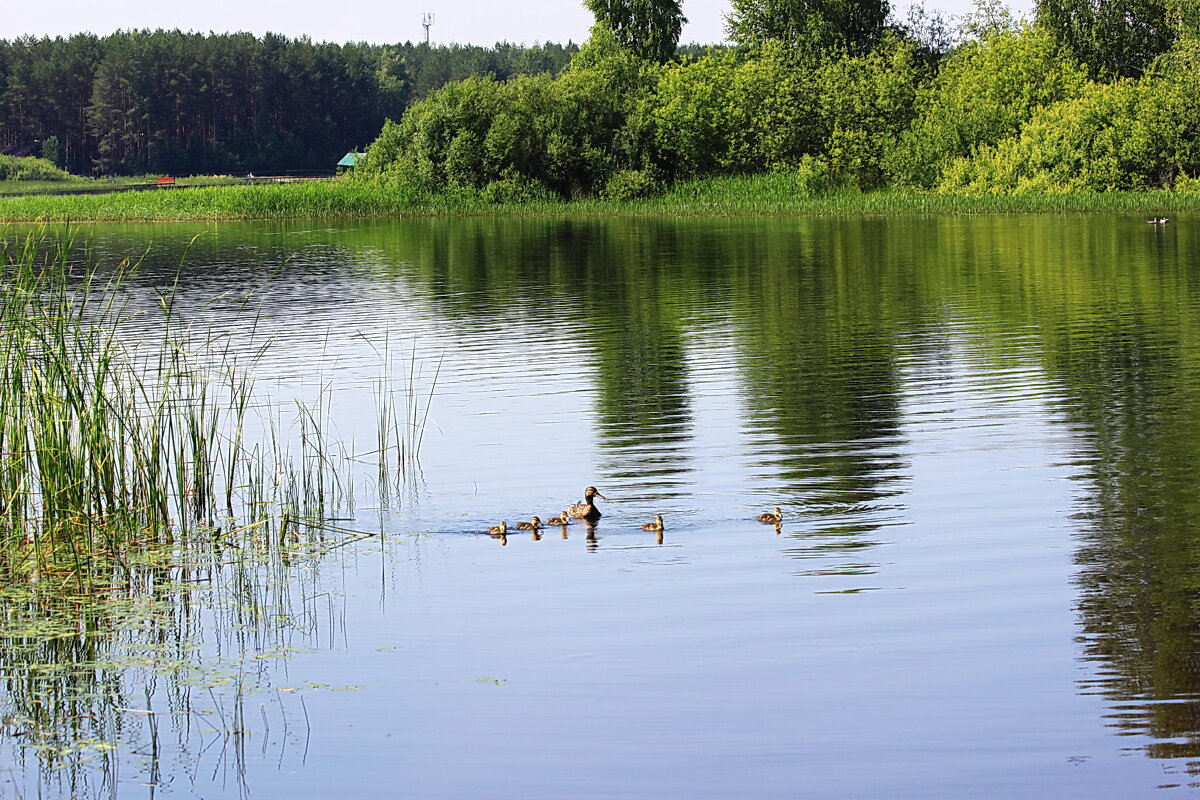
x: 109, y: 440
x: 777, y: 193
x: 150, y: 499
x: 400, y: 432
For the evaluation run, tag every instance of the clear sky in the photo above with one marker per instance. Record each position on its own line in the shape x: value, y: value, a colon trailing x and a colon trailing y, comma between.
x: 482, y: 22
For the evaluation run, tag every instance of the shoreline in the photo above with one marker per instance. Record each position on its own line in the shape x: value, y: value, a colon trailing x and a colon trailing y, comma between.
x: 761, y: 195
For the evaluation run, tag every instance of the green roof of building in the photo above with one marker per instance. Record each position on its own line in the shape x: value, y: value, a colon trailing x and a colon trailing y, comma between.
x: 350, y: 159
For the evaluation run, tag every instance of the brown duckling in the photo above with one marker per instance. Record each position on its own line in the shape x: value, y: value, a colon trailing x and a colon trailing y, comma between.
x: 499, y: 530
x: 771, y: 519
x: 657, y: 525
x: 565, y: 519
x: 532, y: 525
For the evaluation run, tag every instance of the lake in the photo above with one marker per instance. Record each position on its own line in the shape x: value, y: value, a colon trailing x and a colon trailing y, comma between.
x: 981, y: 432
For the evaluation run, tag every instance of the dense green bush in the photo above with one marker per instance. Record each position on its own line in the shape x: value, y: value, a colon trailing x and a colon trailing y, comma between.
x: 630, y: 184
x: 29, y: 168
x: 568, y: 134
x: 690, y: 115
x: 513, y: 187
x: 867, y: 102
x: 1128, y: 135
x: 1101, y: 141
x: 813, y: 178
x: 982, y: 95
x: 730, y: 113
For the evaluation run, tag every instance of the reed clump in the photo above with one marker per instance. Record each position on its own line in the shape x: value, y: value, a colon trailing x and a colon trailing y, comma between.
x: 111, y: 442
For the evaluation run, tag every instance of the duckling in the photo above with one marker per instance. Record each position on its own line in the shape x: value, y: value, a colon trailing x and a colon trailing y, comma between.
x: 532, y: 525
x: 771, y: 519
x: 587, y: 509
x: 499, y: 530
x: 563, y: 520
x: 657, y: 525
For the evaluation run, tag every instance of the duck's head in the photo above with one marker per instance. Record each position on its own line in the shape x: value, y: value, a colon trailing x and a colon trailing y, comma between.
x: 536, y: 520
x: 591, y: 492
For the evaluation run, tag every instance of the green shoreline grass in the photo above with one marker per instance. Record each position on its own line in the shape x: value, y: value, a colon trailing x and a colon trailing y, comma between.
x: 77, y: 185
x: 731, y: 196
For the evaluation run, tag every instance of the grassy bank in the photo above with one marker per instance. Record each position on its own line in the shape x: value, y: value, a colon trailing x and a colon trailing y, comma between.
x: 317, y: 199
x: 763, y: 194
x: 771, y: 194
x: 76, y: 185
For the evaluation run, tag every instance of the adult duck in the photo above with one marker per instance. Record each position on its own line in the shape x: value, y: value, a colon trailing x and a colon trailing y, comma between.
x: 657, y: 525
x: 771, y: 519
x: 587, y: 509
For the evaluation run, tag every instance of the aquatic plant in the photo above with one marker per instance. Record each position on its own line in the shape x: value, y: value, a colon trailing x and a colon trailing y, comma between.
x: 151, y: 503
x: 112, y: 438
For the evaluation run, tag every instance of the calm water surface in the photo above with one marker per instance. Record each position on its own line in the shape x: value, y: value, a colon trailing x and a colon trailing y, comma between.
x: 982, y: 433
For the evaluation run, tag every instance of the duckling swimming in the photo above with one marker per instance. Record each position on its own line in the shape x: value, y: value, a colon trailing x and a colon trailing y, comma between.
x: 587, y: 509
x: 563, y: 520
x: 532, y: 525
x: 771, y: 519
x: 499, y: 530
x: 657, y: 525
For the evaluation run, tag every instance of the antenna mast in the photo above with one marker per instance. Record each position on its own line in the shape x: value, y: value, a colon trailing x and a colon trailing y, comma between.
x: 427, y: 23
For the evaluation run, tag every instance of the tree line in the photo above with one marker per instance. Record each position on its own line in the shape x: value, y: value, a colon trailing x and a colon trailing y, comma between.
x: 160, y: 101
x: 1088, y: 95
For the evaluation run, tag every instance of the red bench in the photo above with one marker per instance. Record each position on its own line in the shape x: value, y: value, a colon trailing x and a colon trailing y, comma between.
x: 165, y: 181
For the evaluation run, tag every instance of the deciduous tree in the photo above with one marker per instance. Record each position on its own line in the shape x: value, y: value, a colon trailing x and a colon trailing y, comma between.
x: 1112, y: 38
x: 814, y: 26
x: 648, y: 28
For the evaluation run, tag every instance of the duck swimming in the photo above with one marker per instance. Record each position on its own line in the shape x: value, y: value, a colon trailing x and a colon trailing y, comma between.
x: 771, y: 519
x: 587, y: 509
x: 563, y: 520
x: 532, y: 525
x: 1158, y: 220
x: 657, y: 525
x: 498, y: 530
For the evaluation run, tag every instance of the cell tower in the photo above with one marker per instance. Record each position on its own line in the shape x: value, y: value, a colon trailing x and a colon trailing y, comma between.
x: 427, y: 23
